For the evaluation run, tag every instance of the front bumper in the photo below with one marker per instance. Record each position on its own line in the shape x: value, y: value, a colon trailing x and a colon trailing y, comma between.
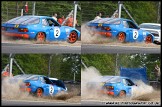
x: 157, y: 39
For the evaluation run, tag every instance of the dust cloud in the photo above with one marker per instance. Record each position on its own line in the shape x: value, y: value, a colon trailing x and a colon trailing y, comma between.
x: 141, y: 92
x: 141, y: 89
x: 88, y: 75
x: 6, y: 39
x: 15, y: 40
x: 10, y: 90
x: 87, y: 38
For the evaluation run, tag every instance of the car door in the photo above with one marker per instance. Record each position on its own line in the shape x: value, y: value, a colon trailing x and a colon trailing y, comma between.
x: 133, y: 31
x: 47, y: 86
x: 51, y: 88
x: 56, y: 31
x: 127, y: 86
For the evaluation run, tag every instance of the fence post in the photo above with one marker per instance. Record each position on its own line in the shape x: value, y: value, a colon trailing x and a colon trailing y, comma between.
x: 11, y: 62
x: 120, y: 5
x: 21, y: 12
x: 7, y: 13
x: 33, y: 13
x: 75, y: 13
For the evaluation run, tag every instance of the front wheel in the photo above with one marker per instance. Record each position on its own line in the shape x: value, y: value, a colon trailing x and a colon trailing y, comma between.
x: 73, y: 37
x: 149, y: 39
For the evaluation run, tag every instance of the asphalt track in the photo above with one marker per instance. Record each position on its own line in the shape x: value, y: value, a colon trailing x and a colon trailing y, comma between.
x: 35, y: 103
x: 92, y: 48
x: 83, y: 103
x: 84, y: 48
x: 39, y: 48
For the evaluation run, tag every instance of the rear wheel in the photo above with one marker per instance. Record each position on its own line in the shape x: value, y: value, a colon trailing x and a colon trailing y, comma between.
x: 39, y: 92
x: 121, y: 37
x: 41, y: 37
x: 149, y: 39
x: 73, y: 37
x: 122, y: 94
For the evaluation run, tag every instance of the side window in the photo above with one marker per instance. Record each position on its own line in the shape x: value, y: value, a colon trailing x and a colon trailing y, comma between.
x: 125, y: 24
x: 132, y: 25
x: 47, y: 81
x: 128, y: 82
x: 44, y: 22
x: 52, y: 22
x: 42, y: 80
x: 34, y: 78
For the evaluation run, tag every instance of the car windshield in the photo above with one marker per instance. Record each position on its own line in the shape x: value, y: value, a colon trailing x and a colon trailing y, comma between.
x: 10, y: 21
x: 22, y: 76
x: 107, y: 21
x: 24, y: 20
x: 148, y: 26
x: 114, y: 79
x: 32, y: 20
x: 105, y: 78
x: 113, y: 21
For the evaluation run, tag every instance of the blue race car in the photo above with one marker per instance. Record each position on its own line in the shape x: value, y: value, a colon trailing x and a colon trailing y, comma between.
x: 40, y: 85
x: 118, y: 86
x: 40, y: 28
x: 124, y: 30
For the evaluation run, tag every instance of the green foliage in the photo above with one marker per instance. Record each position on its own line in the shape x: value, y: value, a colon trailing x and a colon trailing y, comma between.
x: 46, y: 8
x: 107, y: 64
x: 141, y: 11
x: 61, y: 65
x: 103, y: 62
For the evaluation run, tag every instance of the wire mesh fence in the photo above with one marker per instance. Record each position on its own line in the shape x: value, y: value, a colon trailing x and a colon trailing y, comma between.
x: 89, y: 9
x: 137, y: 9
x: 12, y: 9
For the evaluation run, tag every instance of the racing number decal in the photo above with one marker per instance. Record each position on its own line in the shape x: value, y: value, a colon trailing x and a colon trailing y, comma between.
x: 51, y: 89
x: 56, y: 32
x: 135, y: 34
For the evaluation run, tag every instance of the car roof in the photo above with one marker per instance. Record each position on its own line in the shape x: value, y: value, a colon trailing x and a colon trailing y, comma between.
x: 151, y: 24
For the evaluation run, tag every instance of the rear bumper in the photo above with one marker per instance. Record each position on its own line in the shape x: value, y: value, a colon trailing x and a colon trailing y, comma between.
x: 26, y: 36
x: 107, y: 92
x: 108, y: 34
x: 110, y: 93
x: 26, y: 89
